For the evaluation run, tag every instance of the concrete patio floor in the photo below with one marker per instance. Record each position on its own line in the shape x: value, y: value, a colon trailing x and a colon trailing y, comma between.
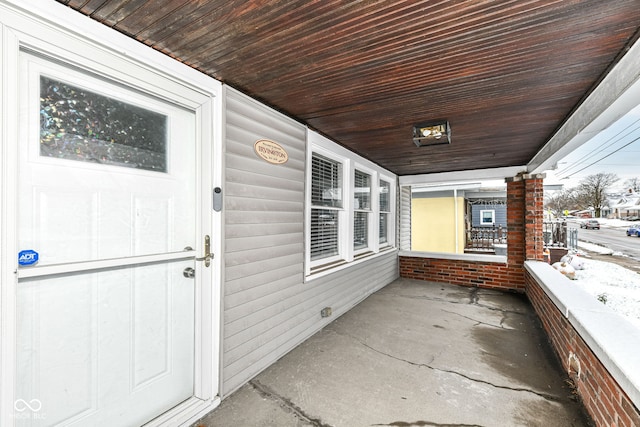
x: 414, y: 354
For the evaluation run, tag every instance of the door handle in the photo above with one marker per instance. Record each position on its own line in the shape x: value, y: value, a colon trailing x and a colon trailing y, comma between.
x: 189, y: 273
x: 208, y: 256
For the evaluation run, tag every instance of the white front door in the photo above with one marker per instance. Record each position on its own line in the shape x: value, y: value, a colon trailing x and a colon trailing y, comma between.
x: 108, y: 206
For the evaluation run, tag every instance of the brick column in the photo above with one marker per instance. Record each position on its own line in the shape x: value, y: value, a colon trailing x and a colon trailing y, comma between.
x: 515, y: 221
x: 534, y: 216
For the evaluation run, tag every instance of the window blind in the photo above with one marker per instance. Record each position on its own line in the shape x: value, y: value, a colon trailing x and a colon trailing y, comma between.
x: 326, y: 192
x: 362, y: 206
x: 326, y: 181
x: 385, y: 207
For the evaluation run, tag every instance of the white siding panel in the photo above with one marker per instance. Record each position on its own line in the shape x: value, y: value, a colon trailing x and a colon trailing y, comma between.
x: 279, y: 194
x: 268, y: 307
x: 259, y: 241
x: 260, y: 267
x: 261, y: 167
x: 248, y: 231
x: 246, y: 361
x: 253, y: 256
x: 264, y: 278
x: 405, y: 218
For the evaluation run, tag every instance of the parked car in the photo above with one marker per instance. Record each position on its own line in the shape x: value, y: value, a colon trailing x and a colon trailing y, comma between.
x: 634, y: 230
x: 590, y: 223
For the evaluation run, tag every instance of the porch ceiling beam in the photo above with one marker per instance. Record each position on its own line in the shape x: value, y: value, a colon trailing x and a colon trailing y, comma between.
x: 462, y: 176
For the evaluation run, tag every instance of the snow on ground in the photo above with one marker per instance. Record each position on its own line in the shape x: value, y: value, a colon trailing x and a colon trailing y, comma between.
x: 615, y: 286
x: 595, y: 248
x: 607, y: 281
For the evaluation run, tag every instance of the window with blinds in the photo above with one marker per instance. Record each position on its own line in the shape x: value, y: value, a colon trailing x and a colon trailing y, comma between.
x: 385, y: 211
x: 348, y: 211
x: 362, y: 209
x: 326, y: 202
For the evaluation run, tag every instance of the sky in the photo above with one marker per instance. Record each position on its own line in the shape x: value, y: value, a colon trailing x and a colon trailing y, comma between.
x: 614, y: 150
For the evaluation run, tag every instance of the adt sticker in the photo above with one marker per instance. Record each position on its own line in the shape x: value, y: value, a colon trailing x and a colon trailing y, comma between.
x: 28, y: 257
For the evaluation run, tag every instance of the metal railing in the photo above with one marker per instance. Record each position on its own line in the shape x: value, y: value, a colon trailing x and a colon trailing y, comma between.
x: 558, y: 234
x: 483, y: 239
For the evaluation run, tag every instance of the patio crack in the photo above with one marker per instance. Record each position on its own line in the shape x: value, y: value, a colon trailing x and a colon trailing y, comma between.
x: 449, y: 371
x: 286, y: 404
x: 479, y: 322
x: 474, y: 299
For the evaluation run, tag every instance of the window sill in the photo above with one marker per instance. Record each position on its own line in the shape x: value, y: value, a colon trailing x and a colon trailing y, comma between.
x: 326, y: 269
x: 501, y: 259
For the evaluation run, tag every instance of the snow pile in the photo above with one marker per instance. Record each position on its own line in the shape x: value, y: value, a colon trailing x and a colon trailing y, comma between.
x: 615, y: 286
x: 595, y: 248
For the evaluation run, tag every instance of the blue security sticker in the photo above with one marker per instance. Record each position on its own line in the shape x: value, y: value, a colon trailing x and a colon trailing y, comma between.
x: 27, y: 257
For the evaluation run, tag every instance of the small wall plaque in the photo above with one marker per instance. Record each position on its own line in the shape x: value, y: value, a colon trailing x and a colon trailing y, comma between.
x: 271, y: 151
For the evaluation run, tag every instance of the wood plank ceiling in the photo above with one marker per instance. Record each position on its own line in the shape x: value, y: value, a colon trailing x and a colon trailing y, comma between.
x: 505, y: 73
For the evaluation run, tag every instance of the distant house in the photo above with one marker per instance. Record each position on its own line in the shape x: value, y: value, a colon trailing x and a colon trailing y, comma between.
x: 623, y: 205
x: 488, y: 209
x: 461, y: 218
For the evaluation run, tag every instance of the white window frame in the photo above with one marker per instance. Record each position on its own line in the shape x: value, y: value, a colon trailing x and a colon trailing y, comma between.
x: 390, y: 222
x: 493, y: 217
x: 342, y: 211
x: 373, y: 199
x: 351, y: 162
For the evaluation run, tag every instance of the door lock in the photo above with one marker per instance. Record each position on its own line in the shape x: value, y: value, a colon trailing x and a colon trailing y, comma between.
x: 208, y: 256
x: 189, y: 273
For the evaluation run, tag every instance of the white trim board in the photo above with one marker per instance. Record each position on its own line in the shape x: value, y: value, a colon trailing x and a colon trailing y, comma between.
x: 53, y: 30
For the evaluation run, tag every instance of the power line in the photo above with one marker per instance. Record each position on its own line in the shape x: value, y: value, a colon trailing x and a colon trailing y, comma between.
x: 599, y: 149
x: 613, y: 152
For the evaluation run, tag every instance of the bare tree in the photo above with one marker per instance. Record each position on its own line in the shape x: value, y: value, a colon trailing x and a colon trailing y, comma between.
x: 592, y: 191
x: 561, y: 201
x: 633, y: 184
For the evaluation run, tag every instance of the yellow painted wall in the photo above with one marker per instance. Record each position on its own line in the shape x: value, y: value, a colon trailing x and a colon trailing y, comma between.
x: 434, y: 222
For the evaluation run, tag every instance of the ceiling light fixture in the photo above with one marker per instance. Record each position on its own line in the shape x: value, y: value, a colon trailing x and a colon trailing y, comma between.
x: 435, y: 132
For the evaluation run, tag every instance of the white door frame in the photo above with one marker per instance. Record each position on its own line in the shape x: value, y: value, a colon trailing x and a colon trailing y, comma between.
x: 50, y: 28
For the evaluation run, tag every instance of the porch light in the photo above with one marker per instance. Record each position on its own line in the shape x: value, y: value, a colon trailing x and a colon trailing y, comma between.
x: 432, y: 133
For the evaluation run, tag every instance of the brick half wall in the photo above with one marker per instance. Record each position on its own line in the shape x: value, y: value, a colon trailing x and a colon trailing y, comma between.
x: 465, y: 273
x: 603, y: 398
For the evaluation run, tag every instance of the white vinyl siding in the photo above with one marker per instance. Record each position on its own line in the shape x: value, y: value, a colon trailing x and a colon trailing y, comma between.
x: 269, y: 308
x: 404, y: 218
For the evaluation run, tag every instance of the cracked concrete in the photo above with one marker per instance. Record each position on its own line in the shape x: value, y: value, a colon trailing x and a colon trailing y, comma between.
x: 414, y: 354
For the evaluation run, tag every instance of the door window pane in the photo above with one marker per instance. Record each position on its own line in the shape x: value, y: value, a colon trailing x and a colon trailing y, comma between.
x: 78, y: 124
